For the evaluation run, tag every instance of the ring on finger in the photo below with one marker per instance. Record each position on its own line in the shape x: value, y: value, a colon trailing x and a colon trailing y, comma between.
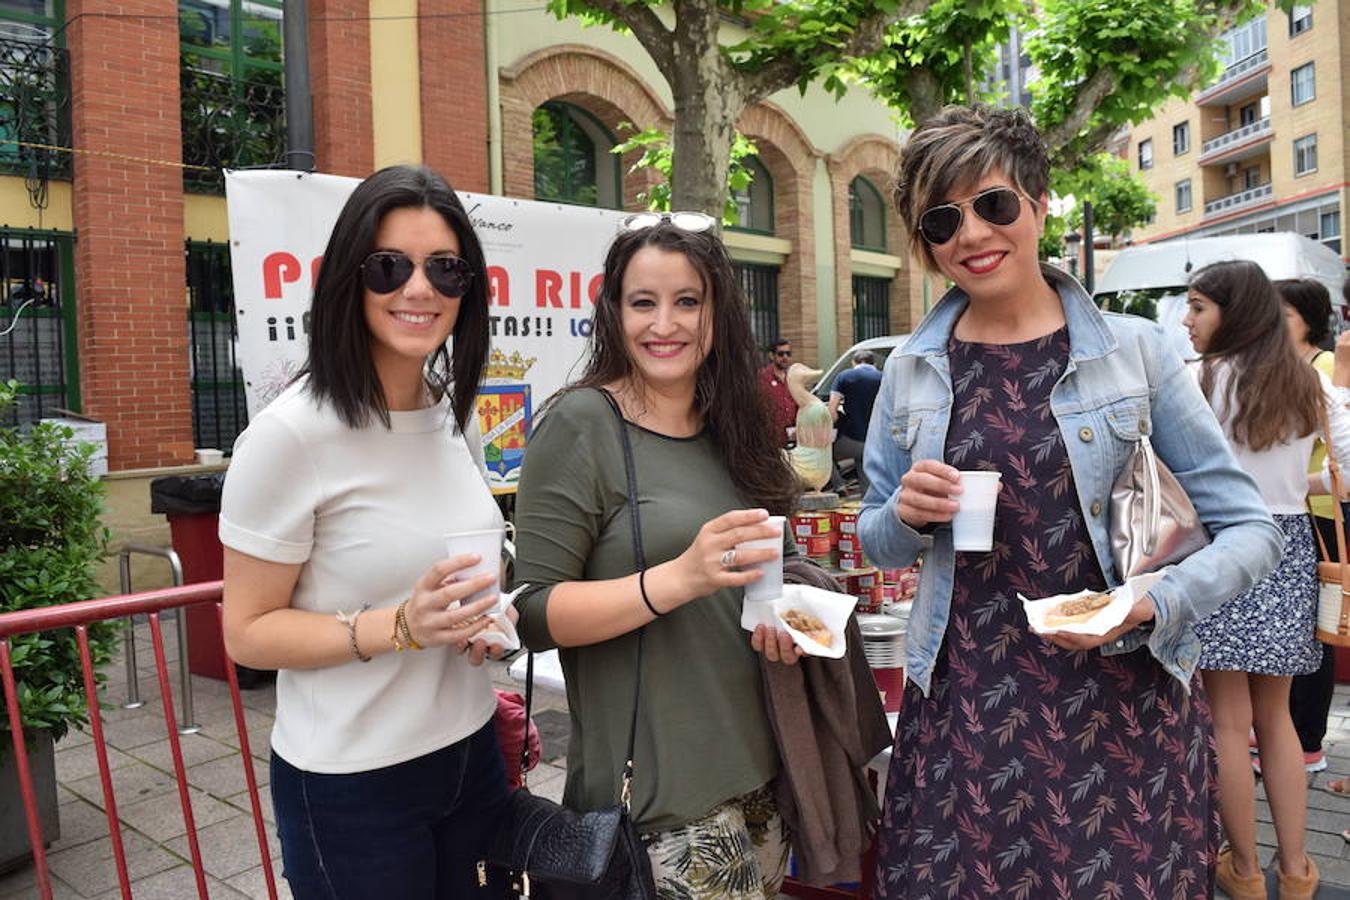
x: 728, y: 558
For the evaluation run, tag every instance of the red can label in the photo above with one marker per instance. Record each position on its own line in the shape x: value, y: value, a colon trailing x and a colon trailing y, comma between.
x: 805, y: 525
x: 818, y: 546
x: 849, y: 560
x: 846, y: 521
x: 849, y: 543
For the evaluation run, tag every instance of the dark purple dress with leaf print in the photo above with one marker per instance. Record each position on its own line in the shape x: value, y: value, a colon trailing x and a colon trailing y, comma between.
x: 1033, y: 772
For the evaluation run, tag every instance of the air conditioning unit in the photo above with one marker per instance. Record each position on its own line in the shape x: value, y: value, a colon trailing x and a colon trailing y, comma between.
x: 1231, y: 170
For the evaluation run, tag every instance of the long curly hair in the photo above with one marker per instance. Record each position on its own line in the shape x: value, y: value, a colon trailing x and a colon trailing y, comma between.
x: 1274, y: 395
x: 727, y: 393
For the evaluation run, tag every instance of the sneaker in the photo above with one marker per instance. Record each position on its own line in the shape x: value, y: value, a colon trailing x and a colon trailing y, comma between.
x: 1312, y: 762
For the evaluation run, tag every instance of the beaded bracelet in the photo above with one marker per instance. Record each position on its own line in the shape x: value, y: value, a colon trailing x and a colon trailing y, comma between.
x: 350, y: 621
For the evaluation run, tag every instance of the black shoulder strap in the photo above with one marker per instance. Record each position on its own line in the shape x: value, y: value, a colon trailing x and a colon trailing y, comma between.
x: 630, y: 469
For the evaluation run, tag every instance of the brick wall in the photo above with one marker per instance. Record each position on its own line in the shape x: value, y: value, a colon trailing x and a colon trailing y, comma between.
x: 339, y: 66
x: 130, y: 277
x: 604, y: 86
x: 454, y: 91
x: 791, y: 160
x: 876, y: 158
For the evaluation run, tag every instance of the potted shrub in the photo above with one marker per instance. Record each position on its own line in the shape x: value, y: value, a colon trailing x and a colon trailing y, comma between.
x: 51, y: 539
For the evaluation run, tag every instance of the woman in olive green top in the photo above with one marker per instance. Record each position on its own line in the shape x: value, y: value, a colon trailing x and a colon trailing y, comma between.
x: 672, y: 345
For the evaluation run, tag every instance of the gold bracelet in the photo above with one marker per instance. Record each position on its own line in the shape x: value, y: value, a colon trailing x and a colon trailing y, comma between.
x: 402, y: 637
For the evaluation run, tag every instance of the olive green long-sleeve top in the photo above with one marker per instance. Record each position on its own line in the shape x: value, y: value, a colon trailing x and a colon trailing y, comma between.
x: 702, y: 736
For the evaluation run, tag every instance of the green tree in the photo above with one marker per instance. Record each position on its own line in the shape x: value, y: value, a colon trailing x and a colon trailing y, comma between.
x: 1120, y: 199
x: 659, y: 156
x: 1103, y: 64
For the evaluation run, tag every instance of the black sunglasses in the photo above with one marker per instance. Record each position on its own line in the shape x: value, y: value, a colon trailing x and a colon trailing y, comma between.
x: 386, y: 271
x: 997, y: 206
x: 782, y: 353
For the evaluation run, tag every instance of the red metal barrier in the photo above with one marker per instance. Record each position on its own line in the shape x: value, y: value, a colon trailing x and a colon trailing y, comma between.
x: 79, y: 616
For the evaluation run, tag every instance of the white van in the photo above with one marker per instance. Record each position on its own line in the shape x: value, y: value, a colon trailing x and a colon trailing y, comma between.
x: 1150, y: 279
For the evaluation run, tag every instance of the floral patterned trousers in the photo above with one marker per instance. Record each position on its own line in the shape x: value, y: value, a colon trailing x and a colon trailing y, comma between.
x: 737, y: 852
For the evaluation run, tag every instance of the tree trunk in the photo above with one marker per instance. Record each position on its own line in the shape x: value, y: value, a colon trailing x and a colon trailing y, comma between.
x: 925, y: 94
x: 708, y: 101
x: 970, y: 74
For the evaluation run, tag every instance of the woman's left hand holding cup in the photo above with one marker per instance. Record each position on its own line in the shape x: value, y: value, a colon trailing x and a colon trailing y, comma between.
x: 437, y: 618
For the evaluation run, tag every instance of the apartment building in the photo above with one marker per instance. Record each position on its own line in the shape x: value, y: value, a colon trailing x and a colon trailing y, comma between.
x: 1263, y: 148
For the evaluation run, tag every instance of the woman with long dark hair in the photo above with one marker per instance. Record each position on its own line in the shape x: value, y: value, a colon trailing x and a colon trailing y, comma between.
x: 672, y: 347
x: 1272, y: 406
x: 387, y: 780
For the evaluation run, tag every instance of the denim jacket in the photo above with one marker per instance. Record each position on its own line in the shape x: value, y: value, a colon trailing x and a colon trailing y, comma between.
x: 1121, y: 375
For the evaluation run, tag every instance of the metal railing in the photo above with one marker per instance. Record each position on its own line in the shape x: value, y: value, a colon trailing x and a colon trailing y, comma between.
x: 219, y: 410
x: 1237, y: 135
x: 1238, y: 200
x: 759, y: 285
x: 229, y: 123
x: 1238, y: 69
x: 34, y: 108
x: 188, y: 726
x: 871, y: 307
x: 38, y: 344
x: 80, y: 616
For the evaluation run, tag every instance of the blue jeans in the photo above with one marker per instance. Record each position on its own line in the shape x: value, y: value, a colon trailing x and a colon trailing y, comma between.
x: 414, y: 830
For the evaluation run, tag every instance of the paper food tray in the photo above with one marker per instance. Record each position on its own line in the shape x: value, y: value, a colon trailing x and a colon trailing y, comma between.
x: 832, y: 609
x: 1111, y: 616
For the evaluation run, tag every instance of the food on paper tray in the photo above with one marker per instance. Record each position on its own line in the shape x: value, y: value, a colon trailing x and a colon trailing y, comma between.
x: 1077, y: 609
x: 809, y: 625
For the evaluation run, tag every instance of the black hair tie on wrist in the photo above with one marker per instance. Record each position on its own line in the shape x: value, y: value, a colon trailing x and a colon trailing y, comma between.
x: 642, y: 586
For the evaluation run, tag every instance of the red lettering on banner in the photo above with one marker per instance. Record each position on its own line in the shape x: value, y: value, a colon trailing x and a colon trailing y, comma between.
x: 499, y: 286
x: 547, y: 289
x: 574, y: 288
x: 314, y: 265
x: 593, y: 289
x: 277, y: 268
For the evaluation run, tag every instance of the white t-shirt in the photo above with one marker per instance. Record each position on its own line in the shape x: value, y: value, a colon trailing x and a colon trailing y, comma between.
x: 365, y: 511
x: 1280, y: 470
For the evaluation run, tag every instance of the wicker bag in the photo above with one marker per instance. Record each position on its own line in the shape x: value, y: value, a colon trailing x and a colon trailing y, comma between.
x: 1333, y: 604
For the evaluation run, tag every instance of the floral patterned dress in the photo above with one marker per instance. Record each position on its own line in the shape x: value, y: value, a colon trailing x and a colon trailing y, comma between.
x: 1033, y: 772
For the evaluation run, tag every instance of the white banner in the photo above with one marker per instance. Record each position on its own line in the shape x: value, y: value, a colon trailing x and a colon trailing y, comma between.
x: 544, y: 263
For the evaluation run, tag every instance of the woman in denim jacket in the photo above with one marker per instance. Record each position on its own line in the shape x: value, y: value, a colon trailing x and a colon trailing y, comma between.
x: 1065, y: 765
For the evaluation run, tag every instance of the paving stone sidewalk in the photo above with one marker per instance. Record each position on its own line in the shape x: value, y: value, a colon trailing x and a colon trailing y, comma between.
x: 155, y: 839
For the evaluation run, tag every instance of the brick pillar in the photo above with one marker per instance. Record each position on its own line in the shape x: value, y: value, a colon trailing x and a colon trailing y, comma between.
x: 339, y: 68
x: 130, y: 275
x: 454, y: 91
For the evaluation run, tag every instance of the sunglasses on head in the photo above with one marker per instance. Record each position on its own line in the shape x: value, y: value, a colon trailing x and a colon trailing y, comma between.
x: 685, y: 221
x: 997, y: 206
x: 385, y: 271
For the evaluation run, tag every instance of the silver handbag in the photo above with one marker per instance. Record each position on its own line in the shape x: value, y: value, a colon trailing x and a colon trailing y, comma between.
x: 1153, y: 522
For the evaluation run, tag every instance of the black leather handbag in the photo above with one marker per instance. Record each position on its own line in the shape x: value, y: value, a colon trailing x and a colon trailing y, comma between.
x: 547, y: 850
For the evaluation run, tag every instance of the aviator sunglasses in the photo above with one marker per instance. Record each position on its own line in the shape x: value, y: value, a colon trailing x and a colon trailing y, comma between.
x: 385, y: 271
x: 685, y: 221
x: 997, y: 206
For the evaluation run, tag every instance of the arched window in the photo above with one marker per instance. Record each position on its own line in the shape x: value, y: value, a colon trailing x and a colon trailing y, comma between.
x: 866, y: 215
x: 572, y: 158
x: 755, y: 203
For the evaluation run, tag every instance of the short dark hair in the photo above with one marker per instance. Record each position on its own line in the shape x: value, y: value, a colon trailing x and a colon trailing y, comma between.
x: 777, y: 342
x: 864, y: 356
x: 339, y: 367
x: 1312, y: 301
x: 959, y: 145
x: 727, y: 392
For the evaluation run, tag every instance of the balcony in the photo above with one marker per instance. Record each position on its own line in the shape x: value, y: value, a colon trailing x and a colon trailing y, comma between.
x: 1241, y: 200
x: 1245, y: 78
x: 34, y: 109
x: 229, y: 123
x: 1238, y: 144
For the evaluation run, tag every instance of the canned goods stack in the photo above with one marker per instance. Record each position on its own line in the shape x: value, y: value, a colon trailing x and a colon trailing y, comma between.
x: 815, y: 536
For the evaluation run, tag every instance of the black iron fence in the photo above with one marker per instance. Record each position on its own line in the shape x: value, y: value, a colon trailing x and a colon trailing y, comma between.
x: 218, y: 409
x: 759, y: 284
x: 37, y: 323
x: 230, y: 123
x: 871, y: 307
x: 34, y: 109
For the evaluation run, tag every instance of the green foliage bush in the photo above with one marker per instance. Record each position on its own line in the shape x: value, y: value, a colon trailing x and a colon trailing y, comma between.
x: 50, y: 541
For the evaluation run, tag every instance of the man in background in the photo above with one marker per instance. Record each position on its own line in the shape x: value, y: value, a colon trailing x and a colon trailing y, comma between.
x: 856, y: 389
x: 773, y: 378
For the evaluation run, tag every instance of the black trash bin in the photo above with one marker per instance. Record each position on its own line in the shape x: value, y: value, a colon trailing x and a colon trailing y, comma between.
x: 192, y: 505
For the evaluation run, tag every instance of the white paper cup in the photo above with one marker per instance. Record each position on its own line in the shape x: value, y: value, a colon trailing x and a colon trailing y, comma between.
x: 973, y: 524
x: 757, y: 605
x: 488, y: 545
